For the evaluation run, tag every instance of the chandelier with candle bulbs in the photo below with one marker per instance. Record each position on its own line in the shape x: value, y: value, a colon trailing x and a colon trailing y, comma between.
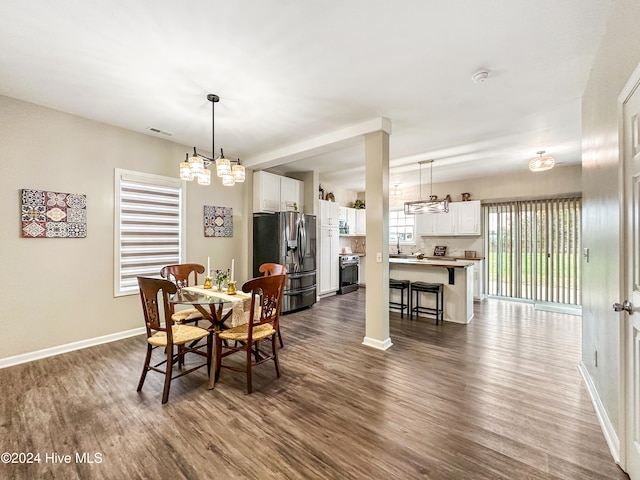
x: 231, y: 171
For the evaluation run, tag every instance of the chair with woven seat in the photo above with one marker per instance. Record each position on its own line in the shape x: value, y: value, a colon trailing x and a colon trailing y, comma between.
x: 181, y: 274
x: 266, y: 300
x: 274, y: 269
x: 153, y: 293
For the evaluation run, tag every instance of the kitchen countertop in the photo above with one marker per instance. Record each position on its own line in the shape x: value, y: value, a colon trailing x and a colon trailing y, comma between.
x: 354, y: 254
x: 432, y: 263
x: 432, y: 257
x: 467, y: 258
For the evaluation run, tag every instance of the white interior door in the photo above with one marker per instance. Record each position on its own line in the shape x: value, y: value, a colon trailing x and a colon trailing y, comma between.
x: 631, y: 112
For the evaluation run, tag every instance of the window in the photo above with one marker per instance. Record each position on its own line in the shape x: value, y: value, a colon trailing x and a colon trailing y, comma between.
x: 401, y: 227
x: 149, y: 230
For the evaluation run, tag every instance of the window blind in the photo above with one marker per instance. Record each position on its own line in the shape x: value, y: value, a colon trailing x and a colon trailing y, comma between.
x: 149, y: 233
x: 533, y: 249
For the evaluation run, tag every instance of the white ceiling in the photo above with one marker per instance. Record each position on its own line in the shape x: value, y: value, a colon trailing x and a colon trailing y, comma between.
x: 289, y: 71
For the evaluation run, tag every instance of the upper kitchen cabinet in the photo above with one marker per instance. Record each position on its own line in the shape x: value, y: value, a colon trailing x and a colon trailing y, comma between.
x: 426, y: 224
x: 361, y: 222
x: 275, y: 193
x: 468, y: 218
x: 329, y: 214
x: 446, y: 223
x: 462, y: 219
x: 352, y: 222
x: 342, y: 213
x: 291, y: 194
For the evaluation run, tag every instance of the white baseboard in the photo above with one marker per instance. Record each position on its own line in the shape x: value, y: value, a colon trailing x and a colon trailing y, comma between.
x: 558, y: 308
x: 605, y: 424
x: 379, y: 344
x: 68, y: 347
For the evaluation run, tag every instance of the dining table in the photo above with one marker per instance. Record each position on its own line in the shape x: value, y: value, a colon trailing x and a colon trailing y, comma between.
x: 218, y: 307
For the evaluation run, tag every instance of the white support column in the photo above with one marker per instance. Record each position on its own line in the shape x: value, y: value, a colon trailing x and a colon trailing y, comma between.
x: 377, y: 207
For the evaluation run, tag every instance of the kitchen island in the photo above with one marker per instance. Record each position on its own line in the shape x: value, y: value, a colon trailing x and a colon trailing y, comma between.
x: 455, y: 275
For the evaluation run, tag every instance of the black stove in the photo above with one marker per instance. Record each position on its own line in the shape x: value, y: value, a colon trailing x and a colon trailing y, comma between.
x: 349, y: 266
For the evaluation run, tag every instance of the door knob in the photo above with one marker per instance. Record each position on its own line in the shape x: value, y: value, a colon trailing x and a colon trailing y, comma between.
x: 626, y: 306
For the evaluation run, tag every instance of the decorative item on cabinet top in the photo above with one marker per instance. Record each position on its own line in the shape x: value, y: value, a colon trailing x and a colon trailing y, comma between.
x: 330, y: 197
x: 359, y: 204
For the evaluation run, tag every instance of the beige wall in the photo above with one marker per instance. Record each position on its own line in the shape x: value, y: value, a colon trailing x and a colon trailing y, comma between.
x: 555, y: 182
x: 619, y: 54
x: 58, y: 291
x: 525, y: 184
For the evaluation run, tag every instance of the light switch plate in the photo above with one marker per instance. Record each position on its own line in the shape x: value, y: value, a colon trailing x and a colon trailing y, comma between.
x: 379, y: 257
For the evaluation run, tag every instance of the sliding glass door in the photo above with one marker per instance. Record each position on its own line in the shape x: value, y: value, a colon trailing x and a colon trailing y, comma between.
x: 533, y: 249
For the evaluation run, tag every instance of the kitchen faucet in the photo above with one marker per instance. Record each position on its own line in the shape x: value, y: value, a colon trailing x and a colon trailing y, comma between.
x: 398, y: 237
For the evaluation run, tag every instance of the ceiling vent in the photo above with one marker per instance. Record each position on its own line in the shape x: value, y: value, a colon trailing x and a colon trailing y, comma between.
x: 161, y: 132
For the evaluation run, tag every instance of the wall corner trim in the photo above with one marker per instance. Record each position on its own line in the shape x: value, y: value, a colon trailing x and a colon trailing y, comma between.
x: 609, y: 432
x: 68, y: 347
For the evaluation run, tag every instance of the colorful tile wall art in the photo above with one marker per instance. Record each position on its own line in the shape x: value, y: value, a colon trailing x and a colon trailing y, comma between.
x: 218, y: 221
x: 53, y: 214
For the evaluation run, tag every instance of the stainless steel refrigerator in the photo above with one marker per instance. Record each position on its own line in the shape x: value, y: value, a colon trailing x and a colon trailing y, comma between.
x: 288, y: 238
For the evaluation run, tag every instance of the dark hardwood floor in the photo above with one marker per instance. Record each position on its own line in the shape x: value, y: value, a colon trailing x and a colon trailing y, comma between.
x: 500, y: 398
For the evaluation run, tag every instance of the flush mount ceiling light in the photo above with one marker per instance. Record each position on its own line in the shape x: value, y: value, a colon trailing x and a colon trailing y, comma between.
x: 195, y: 168
x: 395, y: 190
x: 540, y: 163
x: 433, y: 205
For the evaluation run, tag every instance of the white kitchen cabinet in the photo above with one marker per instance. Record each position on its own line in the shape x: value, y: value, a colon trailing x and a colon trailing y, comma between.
x: 362, y: 274
x: 468, y: 217
x: 426, y: 224
x: 329, y: 247
x: 342, y: 213
x: 329, y: 213
x: 291, y: 194
x: 445, y: 222
x: 329, y: 268
x: 355, y: 219
x: 477, y: 280
x: 351, y: 220
x: 462, y: 219
x: 275, y: 193
x: 266, y: 192
x: 361, y: 222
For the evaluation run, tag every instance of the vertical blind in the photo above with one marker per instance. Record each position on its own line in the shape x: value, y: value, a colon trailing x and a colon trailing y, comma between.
x: 533, y: 249
x: 150, y: 226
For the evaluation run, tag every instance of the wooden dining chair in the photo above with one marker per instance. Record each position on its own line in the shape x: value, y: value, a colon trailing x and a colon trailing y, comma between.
x: 153, y: 293
x: 274, y: 269
x: 183, y: 275
x: 266, y: 301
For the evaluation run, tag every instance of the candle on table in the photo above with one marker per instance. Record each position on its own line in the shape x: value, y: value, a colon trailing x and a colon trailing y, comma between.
x: 208, y: 274
x: 233, y: 260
